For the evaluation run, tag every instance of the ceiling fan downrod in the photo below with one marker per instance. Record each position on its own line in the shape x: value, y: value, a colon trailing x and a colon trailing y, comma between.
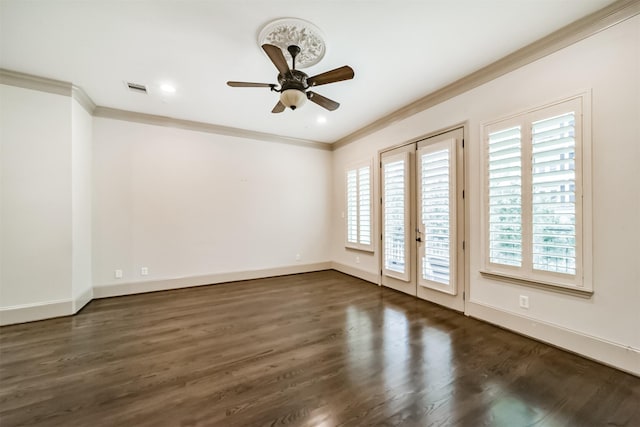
x: 294, y: 51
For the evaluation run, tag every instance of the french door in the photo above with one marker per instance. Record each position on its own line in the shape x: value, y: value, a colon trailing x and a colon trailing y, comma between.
x: 423, y: 219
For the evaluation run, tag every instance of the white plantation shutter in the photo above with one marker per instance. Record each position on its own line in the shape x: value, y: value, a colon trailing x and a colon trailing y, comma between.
x: 534, y: 205
x: 352, y: 206
x: 505, y: 197
x: 554, y: 197
x: 395, y: 191
x: 358, y: 203
x: 436, y: 213
x: 364, y: 205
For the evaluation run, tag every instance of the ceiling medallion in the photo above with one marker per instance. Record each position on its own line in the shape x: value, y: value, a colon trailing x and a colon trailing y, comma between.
x: 293, y: 31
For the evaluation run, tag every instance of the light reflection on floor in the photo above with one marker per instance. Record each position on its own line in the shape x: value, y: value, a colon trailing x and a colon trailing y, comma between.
x: 405, y: 349
x: 418, y: 364
x: 396, y: 359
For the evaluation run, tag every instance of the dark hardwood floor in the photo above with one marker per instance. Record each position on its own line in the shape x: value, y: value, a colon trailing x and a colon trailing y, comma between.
x: 316, y: 349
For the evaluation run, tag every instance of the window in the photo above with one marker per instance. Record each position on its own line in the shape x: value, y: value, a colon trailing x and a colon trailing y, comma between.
x: 535, y: 167
x: 358, y: 185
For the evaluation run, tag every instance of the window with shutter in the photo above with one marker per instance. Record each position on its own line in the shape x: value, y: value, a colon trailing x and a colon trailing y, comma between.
x: 358, y: 204
x: 534, y: 187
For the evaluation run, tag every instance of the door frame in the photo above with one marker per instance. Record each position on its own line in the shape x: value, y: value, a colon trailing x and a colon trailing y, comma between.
x: 465, y: 185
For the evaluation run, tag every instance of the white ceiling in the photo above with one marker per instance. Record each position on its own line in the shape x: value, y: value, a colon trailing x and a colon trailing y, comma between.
x: 400, y: 50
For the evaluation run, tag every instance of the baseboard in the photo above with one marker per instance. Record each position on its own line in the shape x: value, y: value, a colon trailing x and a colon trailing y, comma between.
x: 119, y: 289
x: 608, y: 353
x: 32, y: 312
x: 356, y: 272
x: 82, y: 300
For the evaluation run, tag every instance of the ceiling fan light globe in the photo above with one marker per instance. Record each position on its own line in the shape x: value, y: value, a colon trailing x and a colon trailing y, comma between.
x: 293, y: 98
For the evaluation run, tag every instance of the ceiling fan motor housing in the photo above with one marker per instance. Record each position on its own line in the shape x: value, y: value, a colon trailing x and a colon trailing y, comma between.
x: 293, y: 79
x: 293, y: 85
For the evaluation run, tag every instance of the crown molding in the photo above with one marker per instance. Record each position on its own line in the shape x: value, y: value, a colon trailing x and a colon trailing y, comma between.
x: 579, y: 30
x: 43, y: 84
x: 29, y: 81
x: 151, y: 119
x: 83, y: 99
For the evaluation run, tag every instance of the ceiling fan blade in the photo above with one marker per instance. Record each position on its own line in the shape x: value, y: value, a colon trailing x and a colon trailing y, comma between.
x: 247, y: 84
x: 322, y: 101
x: 337, y: 75
x: 279, y: 108
x: 277, y: 57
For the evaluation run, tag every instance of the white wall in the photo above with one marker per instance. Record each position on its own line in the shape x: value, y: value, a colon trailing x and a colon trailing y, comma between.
x: 35, y: 136
x: 609, y: 65
x: 81, y: 141
x: 187, y: 204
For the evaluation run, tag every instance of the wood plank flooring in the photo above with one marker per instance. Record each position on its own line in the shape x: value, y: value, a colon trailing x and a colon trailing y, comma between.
x: 315, y: 349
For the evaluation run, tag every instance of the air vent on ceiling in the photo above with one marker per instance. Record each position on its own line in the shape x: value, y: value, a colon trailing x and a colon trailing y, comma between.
x: 136, y: 87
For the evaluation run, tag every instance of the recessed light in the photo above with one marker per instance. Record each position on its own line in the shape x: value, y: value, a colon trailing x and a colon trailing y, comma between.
x: 167, y: 88
x: 321, y: 119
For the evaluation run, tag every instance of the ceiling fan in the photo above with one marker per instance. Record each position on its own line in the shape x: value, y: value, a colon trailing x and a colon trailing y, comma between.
x: 294, y: 83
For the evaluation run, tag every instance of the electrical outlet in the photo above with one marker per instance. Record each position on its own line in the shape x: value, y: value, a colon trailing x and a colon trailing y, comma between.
x: 144, y: 271
x: 298, y: 257
x: 524, y: 302
x: 357, y: 260
x: 118, y: 274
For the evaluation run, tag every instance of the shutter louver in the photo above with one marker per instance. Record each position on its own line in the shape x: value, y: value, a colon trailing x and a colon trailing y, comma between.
x: 553, y: 194
x: 394, y: 216
x: 505, y: 197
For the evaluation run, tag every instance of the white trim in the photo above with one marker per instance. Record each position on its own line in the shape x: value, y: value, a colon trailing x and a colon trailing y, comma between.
x: 33, y: 312
x: 119, y: 289
x: 356, y: 272
x: 29, y: 81
x: 152, y: 119
x: 81, y: 300
x: 537, y: 283
x: 83, y: 99
x: 609, y: 353
x: 60, y: 308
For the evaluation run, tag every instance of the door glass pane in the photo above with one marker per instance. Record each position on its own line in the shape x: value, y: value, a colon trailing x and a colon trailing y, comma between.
x: 435, y: 214
x: 394, y: 216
